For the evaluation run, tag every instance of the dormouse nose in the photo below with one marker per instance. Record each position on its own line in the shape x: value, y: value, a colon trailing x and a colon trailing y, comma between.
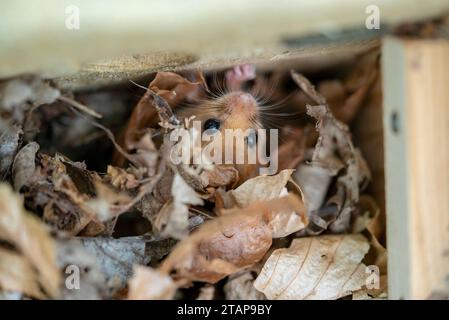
x: 242, y: 101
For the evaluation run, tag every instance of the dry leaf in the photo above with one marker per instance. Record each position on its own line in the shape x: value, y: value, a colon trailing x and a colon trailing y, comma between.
x: 105, y: 201
x: 261, y: 188
x: 116, y: 257
x: 323, y: 267
x: 233, y: 241
x: 334, y: 152
x: 377, y: 280
x: 146, y: 155
x: 121, y: 179
x: 241, y: 287
x: 173, y: 219
x: 307, y: 88
x: 314, y: 182
x: 24, y: 165
x: 174, y: 88
x: 267, y: 188
x: 220, y: 176
x: 76, y: 260
x: 28, y: 235
x: 366, y: 215
x: 17, y: 274
x: 150, y: 284
x: 283, y: 224
x: 9, y: 142
x: 168, y: 89
x: 206, y: 293
x: 63, y: 188
x: 291, y: 152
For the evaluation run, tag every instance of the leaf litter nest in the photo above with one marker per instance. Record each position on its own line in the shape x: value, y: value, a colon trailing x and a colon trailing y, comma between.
x: 89, y: 198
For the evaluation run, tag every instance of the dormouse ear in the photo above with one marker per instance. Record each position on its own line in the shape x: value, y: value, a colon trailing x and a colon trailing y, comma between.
x: 175, y: 88
x: 238, y: 75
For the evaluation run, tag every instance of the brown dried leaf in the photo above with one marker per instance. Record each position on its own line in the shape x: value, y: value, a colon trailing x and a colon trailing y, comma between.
x: 121, y: 179
x: 292, y: 151
x: 366, y: 215
x: 146, y: 155
x: 376, y: 284
x: 264, y: 188
x: 370, y: 294
x: 206, y: 293
x: 92, y: 281
x: 150, y: 284
x: 105, y: 201
x: 228, y: 243
x: 358, y: 84
x: 17, y: 274
x: 116, y: 257
x: 323, y: 267
x: 24, y: 166
x: 27, y: 233
x: 63, y: 188
x: 283, y: 225
x: 173, y: 218
x: 9, y: 142
x: 174, y: 88
x: 220, y: 176
x: 241, y: 287
x: 314, y: 182
x: 151, y: 109
x: 334, y: 151
x: 260, y: 188
x: 166, y: 88
x: 308, y: 88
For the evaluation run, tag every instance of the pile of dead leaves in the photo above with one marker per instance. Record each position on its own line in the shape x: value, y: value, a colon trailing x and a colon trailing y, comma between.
x: 142, y: 227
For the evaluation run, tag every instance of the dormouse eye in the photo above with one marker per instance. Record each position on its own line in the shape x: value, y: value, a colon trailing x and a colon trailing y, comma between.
x: 251, y: 139
x: 212, y: 124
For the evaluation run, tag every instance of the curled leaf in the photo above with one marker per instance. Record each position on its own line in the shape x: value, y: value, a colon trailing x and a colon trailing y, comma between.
x: 322, y: 267
x: 261, y: 188
x: 267, y: 188
x: 121, y: 179
x: 116, y: 257
x: 17, y: 275
x: 9, y: 142
x: 241, y: 287
x: 24, y: 165
x: 237, y: 239
x: 28, y: 234
x: 150, y: 284
x: 172, y: 220
x: 206, y: 293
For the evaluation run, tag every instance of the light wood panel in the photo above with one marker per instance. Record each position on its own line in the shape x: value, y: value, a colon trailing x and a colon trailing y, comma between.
x: 416, y: 128
x: 34, y: 37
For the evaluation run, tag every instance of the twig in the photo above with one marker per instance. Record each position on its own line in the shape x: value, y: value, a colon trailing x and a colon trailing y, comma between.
x: 81, y: 107
x: 308, y: 88
x: 195, y: 210
x: 109, y: 134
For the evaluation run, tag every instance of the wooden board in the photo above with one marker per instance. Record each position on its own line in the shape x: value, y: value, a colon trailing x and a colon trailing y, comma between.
x: 117, y: 37
x: 416, y: 131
